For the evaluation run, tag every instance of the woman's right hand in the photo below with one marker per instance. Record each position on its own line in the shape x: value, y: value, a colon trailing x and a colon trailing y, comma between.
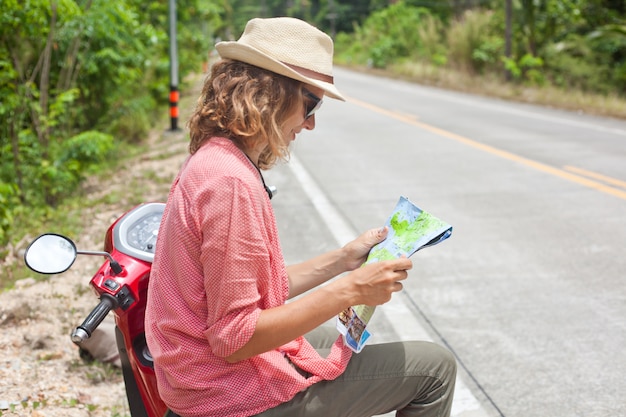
x: 373, y: 284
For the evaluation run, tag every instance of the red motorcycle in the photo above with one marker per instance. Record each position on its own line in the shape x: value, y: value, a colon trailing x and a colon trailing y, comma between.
x: 122, y: 285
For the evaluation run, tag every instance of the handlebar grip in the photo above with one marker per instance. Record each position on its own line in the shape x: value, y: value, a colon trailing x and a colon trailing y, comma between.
x: 93, y: 320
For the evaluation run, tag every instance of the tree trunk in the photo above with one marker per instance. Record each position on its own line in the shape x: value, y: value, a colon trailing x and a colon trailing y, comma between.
x: 17, y: 165
x: 44, y: 81
x: 508, y: 35
x: 529, y: 22
x: 40, y: 117
x: 70, y: 66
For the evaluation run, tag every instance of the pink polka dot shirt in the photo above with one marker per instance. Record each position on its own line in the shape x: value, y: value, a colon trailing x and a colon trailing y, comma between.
x: 218, y: 264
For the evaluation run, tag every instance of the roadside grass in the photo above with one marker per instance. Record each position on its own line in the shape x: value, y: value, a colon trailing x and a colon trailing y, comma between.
x: 612, y: 105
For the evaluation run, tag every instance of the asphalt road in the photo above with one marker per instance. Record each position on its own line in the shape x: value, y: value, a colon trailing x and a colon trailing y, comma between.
x: 528, y: 292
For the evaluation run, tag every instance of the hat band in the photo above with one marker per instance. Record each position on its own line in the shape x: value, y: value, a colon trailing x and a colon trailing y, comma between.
x: 310, y: 73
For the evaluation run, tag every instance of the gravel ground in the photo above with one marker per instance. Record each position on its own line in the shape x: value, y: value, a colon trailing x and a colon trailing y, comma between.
x: 41, y: 372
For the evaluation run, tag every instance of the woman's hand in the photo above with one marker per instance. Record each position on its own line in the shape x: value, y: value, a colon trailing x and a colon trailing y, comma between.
x: 374, y: 283
x: 357, y: 250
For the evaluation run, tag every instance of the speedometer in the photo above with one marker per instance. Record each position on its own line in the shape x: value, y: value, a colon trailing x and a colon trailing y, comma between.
x: 136, y: 233
x: 143, y: 233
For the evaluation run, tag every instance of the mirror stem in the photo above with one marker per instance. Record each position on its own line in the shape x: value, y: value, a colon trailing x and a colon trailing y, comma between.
x: 115, y: 266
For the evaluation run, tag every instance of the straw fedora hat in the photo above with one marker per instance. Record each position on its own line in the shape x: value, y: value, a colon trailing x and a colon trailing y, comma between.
x: 286, y: 46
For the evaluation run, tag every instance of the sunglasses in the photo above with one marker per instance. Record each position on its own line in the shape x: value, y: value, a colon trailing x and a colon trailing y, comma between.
x: 312, y: 104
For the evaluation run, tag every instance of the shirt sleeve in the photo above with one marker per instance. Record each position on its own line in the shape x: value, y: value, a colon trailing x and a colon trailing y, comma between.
x: 236, y: 262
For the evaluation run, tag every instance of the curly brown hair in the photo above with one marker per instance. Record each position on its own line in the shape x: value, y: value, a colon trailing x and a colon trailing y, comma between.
x: 247, y: 105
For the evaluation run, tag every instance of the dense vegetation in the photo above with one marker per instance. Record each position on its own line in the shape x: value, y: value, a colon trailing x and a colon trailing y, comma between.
x: 82, y: 81
x: 78, y: 80
x: 565, y: 43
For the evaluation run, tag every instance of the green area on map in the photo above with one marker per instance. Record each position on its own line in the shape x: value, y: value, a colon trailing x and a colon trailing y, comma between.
x: 410, y: 228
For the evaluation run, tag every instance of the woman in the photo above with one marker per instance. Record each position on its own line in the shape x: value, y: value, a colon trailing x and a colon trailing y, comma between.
x: 223, y: 338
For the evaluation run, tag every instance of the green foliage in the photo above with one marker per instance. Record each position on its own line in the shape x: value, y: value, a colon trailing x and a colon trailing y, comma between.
x: 386, y: 36
x: 531, y: 67
x: 576, y: 41
x: 116, y: 65
x: 609, y: 42
x: 572, y: 64
x: 570, y: 44
x: 84, y: 151
x: 90, y: 71
x: 431, y: 33
x: 332, y: 16
x: 131, y: 118
x: 8, y: 200
x: 528, y: 69
x: 66, y: 165
x: 473, y: 42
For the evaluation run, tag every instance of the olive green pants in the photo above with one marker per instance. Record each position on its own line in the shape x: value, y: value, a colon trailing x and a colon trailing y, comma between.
x: 411, y: 378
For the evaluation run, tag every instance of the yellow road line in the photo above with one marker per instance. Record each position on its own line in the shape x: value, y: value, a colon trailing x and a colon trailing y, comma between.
x: 591, y: 174
x: 498, y: 152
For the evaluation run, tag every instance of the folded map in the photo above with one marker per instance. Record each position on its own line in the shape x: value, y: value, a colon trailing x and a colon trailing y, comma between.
x: 410, y: 229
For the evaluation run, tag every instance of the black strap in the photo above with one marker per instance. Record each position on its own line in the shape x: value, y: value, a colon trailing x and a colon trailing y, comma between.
x: 267, y: 189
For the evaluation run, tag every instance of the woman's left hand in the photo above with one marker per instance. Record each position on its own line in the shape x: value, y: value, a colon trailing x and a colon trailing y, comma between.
x: 357, y: 250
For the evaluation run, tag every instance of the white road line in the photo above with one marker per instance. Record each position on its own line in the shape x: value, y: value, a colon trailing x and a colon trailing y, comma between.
x: 408, y: 328
x: 341, y: 230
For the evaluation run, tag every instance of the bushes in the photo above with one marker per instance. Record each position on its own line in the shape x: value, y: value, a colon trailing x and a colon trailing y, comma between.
x: 547, y: 46
x: 401, y: 32
x: 77, y: 80
x: 8, y: 200
x: 132, y: 119
x: 570, y: 64
x: 385, y: 36
x: 473, y: 43
x: 83, y: 152
x: 66, y: 66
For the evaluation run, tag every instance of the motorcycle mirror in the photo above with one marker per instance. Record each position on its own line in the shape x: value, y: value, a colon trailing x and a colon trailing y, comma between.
x: 50, y: 254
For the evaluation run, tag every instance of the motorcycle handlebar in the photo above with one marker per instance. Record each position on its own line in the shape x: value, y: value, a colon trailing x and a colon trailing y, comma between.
x: 93, y: 320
